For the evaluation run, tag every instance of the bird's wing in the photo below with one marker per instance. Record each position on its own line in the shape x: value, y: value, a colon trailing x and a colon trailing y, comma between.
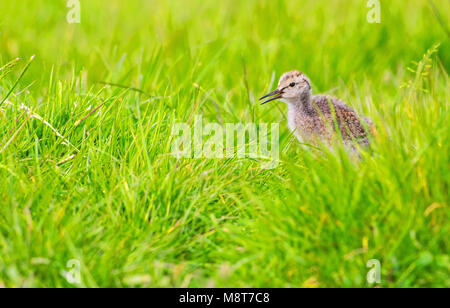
x: 347, y: 119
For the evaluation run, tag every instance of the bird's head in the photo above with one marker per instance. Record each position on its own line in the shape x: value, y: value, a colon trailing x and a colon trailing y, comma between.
x: 292, y: 87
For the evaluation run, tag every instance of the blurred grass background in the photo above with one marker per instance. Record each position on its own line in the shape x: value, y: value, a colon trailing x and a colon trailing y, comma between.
x: 135, y: 216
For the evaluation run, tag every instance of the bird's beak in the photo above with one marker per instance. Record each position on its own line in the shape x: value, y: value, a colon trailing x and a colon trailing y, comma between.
x: 277, y: 94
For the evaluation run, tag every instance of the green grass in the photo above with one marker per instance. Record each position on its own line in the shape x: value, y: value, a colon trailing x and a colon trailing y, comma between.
x: 104, y: 190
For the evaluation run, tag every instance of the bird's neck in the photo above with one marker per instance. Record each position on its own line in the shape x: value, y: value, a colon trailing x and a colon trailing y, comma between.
x: 303, y: 104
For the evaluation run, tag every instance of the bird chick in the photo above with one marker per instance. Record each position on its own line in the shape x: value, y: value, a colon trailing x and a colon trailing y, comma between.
x: 314, y: 118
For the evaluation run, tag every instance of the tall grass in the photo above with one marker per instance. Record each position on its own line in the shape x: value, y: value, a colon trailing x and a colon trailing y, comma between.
x: 85, y: 137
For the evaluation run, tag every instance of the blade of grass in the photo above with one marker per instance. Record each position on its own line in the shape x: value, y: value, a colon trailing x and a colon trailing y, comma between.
x: 17, y: 81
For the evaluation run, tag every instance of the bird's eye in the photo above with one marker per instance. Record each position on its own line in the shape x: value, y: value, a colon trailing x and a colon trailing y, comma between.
x: 292, y: 84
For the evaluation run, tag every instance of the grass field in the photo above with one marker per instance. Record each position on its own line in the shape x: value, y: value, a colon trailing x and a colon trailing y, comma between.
x: 99, y: 186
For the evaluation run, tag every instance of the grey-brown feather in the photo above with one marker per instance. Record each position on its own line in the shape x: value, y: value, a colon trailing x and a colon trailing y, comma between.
x: 319, y: 117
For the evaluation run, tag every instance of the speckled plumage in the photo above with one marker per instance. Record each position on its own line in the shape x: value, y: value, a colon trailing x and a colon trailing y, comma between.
x: 313, y: 117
